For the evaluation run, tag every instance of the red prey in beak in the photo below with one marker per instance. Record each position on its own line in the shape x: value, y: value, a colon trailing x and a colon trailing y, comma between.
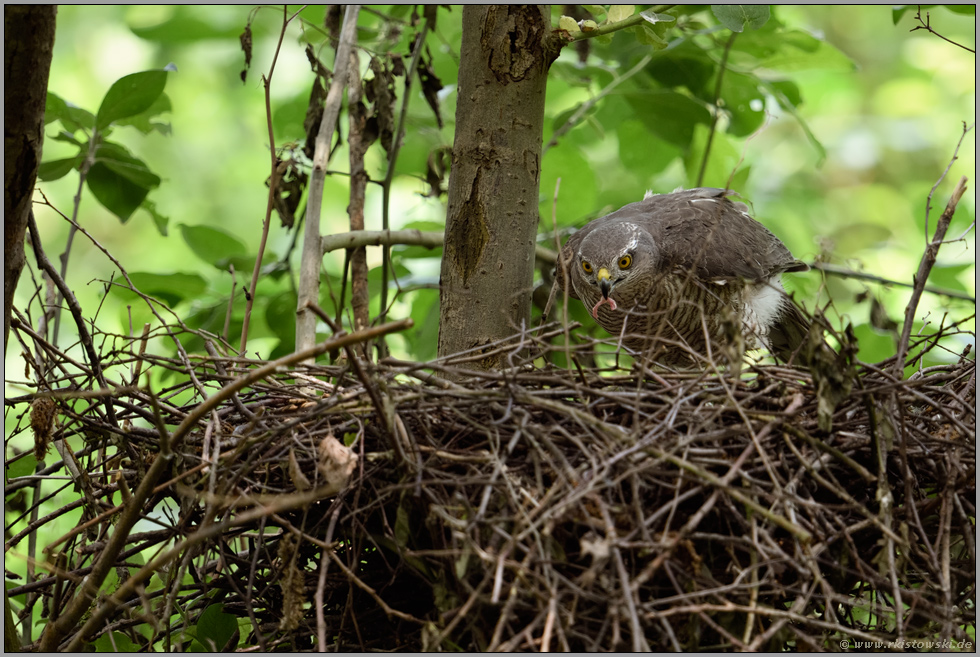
x: 605, y: 286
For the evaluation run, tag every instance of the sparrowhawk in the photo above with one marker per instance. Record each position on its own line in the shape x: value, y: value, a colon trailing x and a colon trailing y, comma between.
x: 675, y: 273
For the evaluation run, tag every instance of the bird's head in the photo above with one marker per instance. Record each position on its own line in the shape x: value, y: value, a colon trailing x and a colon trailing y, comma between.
x: 614, y: 257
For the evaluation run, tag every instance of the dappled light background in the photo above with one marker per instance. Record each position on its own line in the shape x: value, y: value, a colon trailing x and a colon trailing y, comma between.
x: 879, y: 111
x: 885, y: 108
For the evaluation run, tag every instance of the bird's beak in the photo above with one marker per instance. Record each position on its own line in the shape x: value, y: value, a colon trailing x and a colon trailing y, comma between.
x: 605, y: 282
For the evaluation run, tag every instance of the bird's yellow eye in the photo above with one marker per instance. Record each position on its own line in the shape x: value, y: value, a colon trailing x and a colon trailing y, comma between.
x: 625, y: 261
x: 587, y: 266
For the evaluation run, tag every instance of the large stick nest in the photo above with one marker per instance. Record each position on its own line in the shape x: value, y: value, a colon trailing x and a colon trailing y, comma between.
x: 537, y: 508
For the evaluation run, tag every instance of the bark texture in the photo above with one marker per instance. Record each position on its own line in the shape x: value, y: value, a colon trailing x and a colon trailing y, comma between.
x: 488, y: 263
x: 27, y: 47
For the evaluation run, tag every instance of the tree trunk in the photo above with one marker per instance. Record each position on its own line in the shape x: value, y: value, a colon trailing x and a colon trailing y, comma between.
x: 27, y: 47
x: 488, y: 263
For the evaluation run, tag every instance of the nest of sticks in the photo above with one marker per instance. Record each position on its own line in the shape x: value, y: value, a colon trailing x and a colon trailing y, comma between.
x: 410, y: 506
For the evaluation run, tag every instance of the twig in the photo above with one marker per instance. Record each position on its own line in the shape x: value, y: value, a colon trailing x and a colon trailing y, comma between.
x: 150, y: 301
x: 83, y: 170
x: 321, y: 624
x: 392, y: 160
x: 128, y: 587
x: 717, y: 108
x: 312, y: 256
x: 273, y: 183
x: 864, y: 276
x: 408, y: 237
x: 358, y: 182
x: 272, y: 367
x: 925, y: 266
x: 956, y: 155
x: 924, y: 25
x: 371, y: 592
x: 610, y: 28
x: 76, y: 311
x: 231, y: 303
x: 584, y: 108
x: 56, y: 629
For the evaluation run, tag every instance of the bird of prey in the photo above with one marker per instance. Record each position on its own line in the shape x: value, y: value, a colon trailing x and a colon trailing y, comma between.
x: 683, y: 275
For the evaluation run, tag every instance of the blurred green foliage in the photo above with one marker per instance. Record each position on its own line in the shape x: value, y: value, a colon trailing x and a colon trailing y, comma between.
x: 835, y: 122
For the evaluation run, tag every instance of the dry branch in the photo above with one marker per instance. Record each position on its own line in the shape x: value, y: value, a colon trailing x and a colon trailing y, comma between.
x: 408, y: 237
x: 531, y: 507
x: 309, y: 277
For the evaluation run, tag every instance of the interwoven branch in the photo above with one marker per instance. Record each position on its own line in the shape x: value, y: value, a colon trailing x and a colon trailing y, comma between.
x: 535, y: 508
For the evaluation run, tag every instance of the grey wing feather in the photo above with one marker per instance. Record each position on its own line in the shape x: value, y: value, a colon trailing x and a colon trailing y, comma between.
x: 701, y: 229
x: 565, y: 257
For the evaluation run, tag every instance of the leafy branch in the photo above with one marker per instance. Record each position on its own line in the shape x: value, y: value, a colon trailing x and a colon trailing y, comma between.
x: 620, y: 17
x: 117, y: 179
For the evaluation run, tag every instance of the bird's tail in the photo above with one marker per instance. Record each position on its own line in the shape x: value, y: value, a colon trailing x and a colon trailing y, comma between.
x: 789, y: 332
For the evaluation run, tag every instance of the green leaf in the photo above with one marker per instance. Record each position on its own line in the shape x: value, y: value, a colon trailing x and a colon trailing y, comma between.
x: 949, y: 276
x: 620, y: 12
x: 653, y: 30
x: 213, y: 245
x: 55, y: 108
x: 142, y: 121
x: 129, y: 96
x: 215, y: 628
x: 118, y: 194
x: 72, y: 118
x: 280, y: 315
x: 186, y: 26
x: 22, y: 467
x: 642, y: 153
x: 786, y: 51
x: 738, y: 91
x: 159, y: 220
x: 118, y: 159
x: 288, y: 118
x: 563, y: 118
x: 568, y: 24
x: 737, y: 17
x: 396, y: 271
x: 725, y: 167
x: 170, y: 288
x: 69, y: 138
x: 654, y: 18
x: 115, y: 642
x: 786, y: 102
x: 577, y: 194
x: 963, y: 10
x: 55, y: 169
x: 790, y: 92
x: 684, y: 65
x: 595, y: 10
x: 668, y: 114
x: 120, y: 181
x: 897, y: 12
x: 425, y: 314
x: 425, y: 226
x: 647, y: 34
x: 800, y: 51
x: 874, y: 346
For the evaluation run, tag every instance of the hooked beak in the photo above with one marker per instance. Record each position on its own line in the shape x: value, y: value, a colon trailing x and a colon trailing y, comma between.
x: 605, y: 282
